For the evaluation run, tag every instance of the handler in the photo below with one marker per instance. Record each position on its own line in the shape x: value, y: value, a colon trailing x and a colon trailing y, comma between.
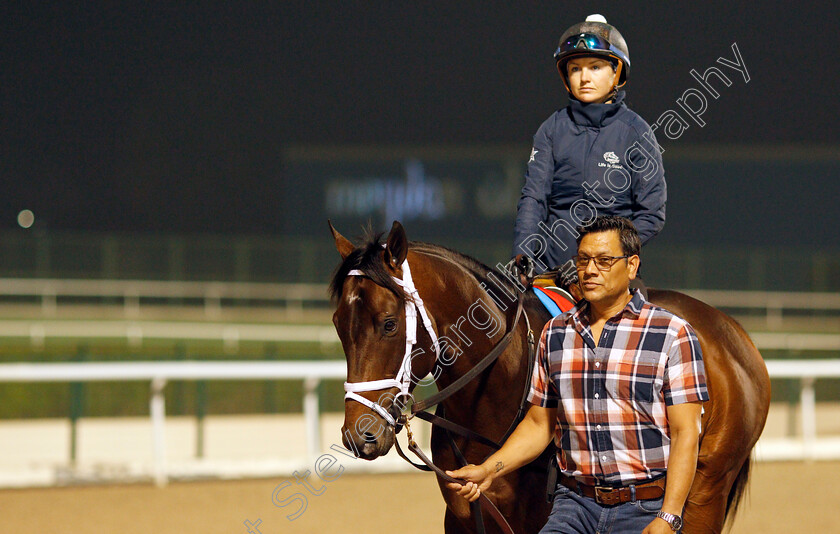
x: 594, y: 156
x: 618, y: 384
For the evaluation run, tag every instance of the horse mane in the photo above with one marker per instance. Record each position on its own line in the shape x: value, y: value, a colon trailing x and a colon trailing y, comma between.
x: 478, y: 270
x: 368, y: 258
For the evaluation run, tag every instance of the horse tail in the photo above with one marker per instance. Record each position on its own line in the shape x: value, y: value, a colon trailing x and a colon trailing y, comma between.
x: 739, y: 488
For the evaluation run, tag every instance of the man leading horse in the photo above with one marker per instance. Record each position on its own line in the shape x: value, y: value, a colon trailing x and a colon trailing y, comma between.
x: 619, y: 385
x: 378, y: 317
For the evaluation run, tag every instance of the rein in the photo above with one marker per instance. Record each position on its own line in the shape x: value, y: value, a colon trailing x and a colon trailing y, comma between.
x: 414, y: 306
x: 482, y: 498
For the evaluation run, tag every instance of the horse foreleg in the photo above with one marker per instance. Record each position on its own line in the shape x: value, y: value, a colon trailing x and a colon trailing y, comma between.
x: 705, y: 508
x: 460, y: 521
x: 706, y: 516
x: 453, y: 525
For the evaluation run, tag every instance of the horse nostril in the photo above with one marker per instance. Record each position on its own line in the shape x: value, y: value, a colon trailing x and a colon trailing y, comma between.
x: 369, y: 438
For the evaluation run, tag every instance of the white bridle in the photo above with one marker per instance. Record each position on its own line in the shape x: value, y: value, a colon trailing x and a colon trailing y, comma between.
x: 413, y: 306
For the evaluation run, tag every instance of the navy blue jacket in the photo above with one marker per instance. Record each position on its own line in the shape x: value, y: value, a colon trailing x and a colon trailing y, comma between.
x: 588, y: 159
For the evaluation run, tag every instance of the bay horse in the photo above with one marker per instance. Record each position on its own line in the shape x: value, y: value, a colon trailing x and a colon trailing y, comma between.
x: 467, y: 308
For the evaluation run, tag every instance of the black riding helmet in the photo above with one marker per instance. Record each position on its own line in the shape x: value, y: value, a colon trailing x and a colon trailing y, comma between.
x: 593, y: 37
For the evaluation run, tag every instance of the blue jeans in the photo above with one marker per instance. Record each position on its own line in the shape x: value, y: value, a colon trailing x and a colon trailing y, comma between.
x: 576, y: 514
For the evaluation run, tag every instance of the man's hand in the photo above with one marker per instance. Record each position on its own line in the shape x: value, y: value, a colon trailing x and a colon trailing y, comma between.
x: 658, y: 526
x: 531, y: 436
x: 478, y: 479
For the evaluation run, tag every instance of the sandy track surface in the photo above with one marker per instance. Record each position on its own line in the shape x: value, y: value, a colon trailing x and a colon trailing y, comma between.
x: 784, y: 497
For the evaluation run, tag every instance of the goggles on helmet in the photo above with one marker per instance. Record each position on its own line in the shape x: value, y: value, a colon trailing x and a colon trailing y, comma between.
x: 584, y: 41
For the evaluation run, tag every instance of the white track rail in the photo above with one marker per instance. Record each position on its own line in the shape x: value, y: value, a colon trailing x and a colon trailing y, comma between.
x: 313, y: 372
x: 132, y: 292
x: 159, y: 373
x: 293, y: 295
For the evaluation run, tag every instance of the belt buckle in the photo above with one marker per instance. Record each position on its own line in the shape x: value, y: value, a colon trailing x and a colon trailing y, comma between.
x: 603, y: 490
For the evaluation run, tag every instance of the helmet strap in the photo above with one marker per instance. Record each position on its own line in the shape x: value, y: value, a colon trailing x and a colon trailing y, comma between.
x: 618, y: 75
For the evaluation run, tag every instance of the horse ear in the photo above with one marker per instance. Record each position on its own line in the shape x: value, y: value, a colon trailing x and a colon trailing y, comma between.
x: 397, y: 247
x: 344, y: 246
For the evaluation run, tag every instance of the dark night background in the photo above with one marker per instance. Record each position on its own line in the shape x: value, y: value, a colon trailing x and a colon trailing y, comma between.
x: 156, y: 119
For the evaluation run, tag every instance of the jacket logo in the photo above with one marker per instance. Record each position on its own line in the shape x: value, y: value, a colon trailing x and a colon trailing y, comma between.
x: 610, y: 157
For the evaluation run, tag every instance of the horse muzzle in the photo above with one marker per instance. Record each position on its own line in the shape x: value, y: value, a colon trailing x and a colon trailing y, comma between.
x: 374, y: 441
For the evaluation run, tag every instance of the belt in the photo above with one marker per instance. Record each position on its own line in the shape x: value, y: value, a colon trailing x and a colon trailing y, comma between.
x: 610, y: 496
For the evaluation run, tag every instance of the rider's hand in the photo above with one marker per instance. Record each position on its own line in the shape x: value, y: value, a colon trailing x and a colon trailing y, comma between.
x: 525, y: 267
x: 478, y: 479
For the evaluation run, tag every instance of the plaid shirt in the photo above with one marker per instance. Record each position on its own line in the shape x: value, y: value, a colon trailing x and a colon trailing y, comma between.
x: 612, y: 427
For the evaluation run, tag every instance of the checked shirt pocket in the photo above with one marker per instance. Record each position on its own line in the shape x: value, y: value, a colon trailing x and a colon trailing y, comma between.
x: 633, y: 380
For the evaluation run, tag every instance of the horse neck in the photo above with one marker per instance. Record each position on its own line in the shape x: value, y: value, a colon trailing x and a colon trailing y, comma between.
x: 467, y: 316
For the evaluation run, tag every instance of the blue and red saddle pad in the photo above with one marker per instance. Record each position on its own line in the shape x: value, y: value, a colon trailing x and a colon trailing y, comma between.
x: 557, y: 301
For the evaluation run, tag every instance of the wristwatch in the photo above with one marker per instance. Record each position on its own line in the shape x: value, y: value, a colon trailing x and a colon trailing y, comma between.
x: 674, y: 521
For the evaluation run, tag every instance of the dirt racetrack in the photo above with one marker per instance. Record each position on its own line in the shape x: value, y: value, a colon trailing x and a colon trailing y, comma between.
x: 784, y: 497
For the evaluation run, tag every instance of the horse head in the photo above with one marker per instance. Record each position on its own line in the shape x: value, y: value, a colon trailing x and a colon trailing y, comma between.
x: 376, y: 321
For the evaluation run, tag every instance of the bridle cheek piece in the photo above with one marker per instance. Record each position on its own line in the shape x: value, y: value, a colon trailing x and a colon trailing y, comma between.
x: 413, y: 307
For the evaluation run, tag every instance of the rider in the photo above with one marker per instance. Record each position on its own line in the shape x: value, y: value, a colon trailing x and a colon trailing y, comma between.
x: 593, y: 157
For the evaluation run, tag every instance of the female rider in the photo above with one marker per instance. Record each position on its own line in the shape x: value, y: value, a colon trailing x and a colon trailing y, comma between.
x: 593, y: 157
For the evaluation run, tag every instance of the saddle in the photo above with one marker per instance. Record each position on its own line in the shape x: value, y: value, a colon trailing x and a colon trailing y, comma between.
x: 548, y: 286
x: 555, y: 299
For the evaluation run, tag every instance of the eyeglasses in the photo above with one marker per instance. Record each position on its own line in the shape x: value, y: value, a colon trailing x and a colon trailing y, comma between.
x: 603, y: 263
x: 586, y: 41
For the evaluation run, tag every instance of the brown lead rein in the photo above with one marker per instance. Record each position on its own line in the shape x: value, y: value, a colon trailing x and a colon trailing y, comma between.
x: 479, y: 368
x: 417, y: 409
x: 486, y: 503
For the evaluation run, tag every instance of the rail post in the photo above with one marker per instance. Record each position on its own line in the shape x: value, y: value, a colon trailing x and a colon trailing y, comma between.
x: 77, y: 405
x: 809, y: 419
x: 200, y: 412
x: 157, y: 412
x: 270, y: 386
x: 312, y: 415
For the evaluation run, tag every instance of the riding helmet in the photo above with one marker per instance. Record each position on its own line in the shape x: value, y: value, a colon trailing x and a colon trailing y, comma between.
x: 593, y: 37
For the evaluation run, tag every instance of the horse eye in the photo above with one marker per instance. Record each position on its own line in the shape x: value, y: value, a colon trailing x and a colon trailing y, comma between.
x: 390, y: 326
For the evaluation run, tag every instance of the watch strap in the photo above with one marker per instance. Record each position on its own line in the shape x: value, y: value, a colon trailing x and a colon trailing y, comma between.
x: 674, y: 521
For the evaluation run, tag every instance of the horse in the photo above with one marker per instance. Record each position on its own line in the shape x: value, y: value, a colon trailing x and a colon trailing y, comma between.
x: 468, y: 309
